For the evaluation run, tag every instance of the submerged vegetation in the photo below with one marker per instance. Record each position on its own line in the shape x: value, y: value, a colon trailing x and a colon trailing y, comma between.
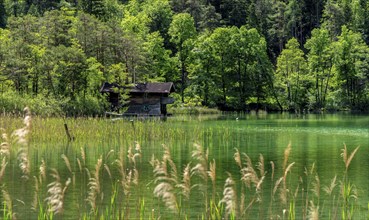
x: 118, y: 182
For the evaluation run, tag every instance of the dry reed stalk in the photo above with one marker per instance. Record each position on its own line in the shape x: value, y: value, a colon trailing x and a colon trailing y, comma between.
x: 348, y: 158
x: 106, y: 167
x: 83, y: 156
x: 94, y: 186
x: 316, y: 186
x: 167, y: 159
x: 287, y: 152
x: 288, y: 169
x: 8, y: 202
x: 21, y: 138
x: 165, y: 180
x: 201, y: 167
x: 164, y: 190
x: 42, y: 170
x: 212, y: 171
x: 137, y: 147
x: 35, y: 196
x: 237, y: 158
x: 56, y: 193
x: 79, y: 165
x: 133, y: 155
x: 261, y: 165
x: 243, y: 207
x: 4, y: 146
x: 126, y: 184
x: 88, y: 173
x: 284, y: 190
x: 276, y: 185
x: 258, y: 185
x: 329, y: 189
x: 120, y: 168
x: 270, y: 209
x: 135, y: 176
x: 186, y: 182
x: 229, y: 196
x: 108, y: 154
x: 313, y: 211
x: 249, y: 174
x: 4, y: 163
x: 67, y: 163
x: 24, y: 164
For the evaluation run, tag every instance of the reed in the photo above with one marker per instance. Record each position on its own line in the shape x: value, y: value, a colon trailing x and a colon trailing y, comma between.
x: 166, y: 180
x: 198, y: 187
x: 230, y: 197
x: 94, y: 193
x: 56, y: 193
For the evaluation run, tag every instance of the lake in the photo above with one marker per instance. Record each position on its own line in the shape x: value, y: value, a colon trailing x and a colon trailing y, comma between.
x: 122, y: 183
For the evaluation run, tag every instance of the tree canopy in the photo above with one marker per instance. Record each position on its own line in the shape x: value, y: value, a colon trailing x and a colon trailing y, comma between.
x: 232, y: 55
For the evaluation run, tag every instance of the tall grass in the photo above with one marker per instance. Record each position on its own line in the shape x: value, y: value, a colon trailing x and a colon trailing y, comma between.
x: 109, y: 183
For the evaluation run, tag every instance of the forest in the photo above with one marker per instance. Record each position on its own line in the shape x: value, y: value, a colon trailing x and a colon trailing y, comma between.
x: 234, y: 55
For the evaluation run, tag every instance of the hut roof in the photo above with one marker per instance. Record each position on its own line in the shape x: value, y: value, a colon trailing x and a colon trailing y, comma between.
x: 163, y: 88
x: 166, y: 87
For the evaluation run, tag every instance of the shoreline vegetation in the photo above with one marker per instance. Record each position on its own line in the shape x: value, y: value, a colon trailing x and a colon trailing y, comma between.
x: 260, y: 189
x: 12, y: 104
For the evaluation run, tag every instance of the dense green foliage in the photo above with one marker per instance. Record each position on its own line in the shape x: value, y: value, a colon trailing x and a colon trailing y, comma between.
x: 233, y: 55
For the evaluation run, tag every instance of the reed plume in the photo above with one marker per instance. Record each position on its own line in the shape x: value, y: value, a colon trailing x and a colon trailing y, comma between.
x: 201, y: 167
x: 4, y: 146
x: 165, y: 180
x: 42, y: 170
x: 23, y: 161
x: 329, y: 189
x: 248, y: 173
x: 21, y: 134
x: 229, y: 196
x: 67, y: 163
x: 4, y: 163
x: 164, y: 190
x: 287, y: 152
x: 237, y: 158
x: 316, y: 186
x: 56, y: 193
x: 261, y: 165
x: 35, y: 195
x: 212, y: 172
x: 8, y: 203
x: 186, y: 182
x: 313, y: 211
x: 21, y: 138
x: 133, y: 155
x: 83, y: 156
x: 167, y: 159
x: 284, y: 190
x: 109, y: 154
x: 348, y: 158
x: 94, y: 186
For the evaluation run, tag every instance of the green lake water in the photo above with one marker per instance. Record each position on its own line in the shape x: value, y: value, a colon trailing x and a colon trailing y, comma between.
x: 315, y: 139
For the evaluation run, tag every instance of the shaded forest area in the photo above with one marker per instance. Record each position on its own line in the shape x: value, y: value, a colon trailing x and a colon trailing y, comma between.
x: 229, y: 54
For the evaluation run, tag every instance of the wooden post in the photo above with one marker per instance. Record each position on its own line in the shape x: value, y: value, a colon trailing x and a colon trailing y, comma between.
x: 70, y: 138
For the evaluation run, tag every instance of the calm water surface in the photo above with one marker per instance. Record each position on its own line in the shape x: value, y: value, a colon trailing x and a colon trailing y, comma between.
x: 315, y: 139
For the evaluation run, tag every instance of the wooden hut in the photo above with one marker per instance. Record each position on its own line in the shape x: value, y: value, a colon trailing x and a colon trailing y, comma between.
x: 149, y: 99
